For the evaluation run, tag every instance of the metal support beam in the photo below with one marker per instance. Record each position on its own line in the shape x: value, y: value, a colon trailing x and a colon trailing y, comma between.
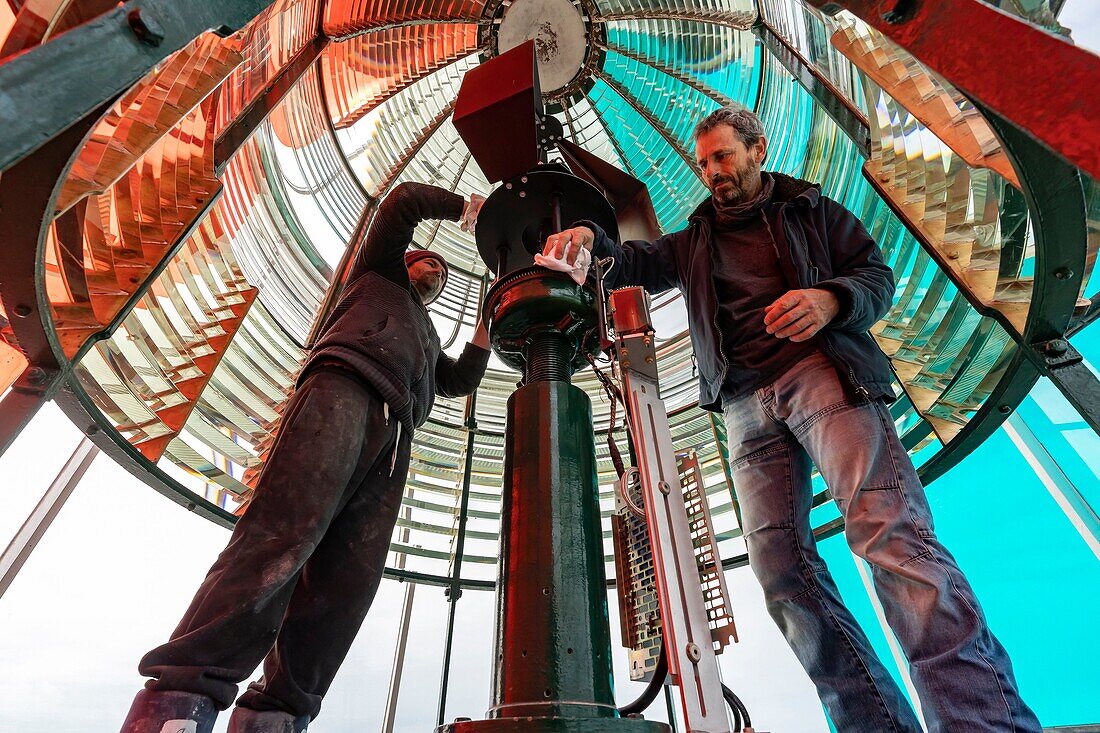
x: 1055, y: 197
x: 849, y: 118
x: 1054, y: 109
x: 53, y: 86
x: 670, y: 708
x: 1055, y: 200
x: 1074, y: 379
x: 398, y: 668
x: 250, y: 118
x: 454, y: 589
x: 27, y: 196
x: 399, y: 659
x: 40, y: 519
x: 22, y: 402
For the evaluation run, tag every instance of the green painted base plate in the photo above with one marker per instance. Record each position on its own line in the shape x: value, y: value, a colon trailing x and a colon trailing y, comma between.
x: 556, y: 725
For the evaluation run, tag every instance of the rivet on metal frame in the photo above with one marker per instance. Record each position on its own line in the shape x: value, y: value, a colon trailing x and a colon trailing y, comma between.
x: 1055, y: 347
x: 145, y: 27
x: 902, y: 11
x: 37, y: 376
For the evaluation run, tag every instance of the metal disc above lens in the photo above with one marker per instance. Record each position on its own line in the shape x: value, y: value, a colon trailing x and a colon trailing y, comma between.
x: 516, y: 219
x: 558, y: 30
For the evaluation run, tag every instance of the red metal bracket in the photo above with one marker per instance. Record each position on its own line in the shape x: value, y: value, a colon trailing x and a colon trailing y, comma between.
x: 1038, y: 81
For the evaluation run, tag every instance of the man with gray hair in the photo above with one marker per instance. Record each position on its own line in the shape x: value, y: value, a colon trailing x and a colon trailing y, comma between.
x: 781, y: 285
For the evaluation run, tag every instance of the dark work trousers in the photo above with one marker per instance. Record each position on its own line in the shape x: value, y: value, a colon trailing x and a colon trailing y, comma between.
x: 305, y: 560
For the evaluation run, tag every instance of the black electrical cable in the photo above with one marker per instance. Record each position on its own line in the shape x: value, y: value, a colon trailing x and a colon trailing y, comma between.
x: 660, y: 672
x: 737, y: 723
x: 738, y: 708
x: 612, y: 447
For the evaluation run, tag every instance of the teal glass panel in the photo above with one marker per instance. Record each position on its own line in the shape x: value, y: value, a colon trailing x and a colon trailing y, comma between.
x: 787, y: 111
x: 1035, y: 576
x: 721, y: 59
x: 675, y: 105
x: 675, y: 189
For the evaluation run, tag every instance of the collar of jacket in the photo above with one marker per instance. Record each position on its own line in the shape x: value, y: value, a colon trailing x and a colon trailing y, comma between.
x: 788, y: 189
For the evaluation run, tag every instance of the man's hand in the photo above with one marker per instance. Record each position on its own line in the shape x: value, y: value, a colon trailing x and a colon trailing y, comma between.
x: 469, y: 213
x: 568, y: 243
x: 799, y: 314
x: 481, y: 335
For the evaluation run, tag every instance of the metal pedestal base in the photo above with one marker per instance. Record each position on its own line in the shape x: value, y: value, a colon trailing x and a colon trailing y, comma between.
x: 556, y: 725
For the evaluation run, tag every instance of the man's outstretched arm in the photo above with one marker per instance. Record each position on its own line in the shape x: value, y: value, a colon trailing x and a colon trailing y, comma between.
x: 637, y: 262
x: 461, y: 376
x: 395, y: 221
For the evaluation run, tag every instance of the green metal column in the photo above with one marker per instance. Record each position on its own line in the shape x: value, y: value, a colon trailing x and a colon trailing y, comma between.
x: 553, y: 644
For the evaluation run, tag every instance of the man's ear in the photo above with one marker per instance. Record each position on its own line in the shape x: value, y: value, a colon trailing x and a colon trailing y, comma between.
x: 760, y: 150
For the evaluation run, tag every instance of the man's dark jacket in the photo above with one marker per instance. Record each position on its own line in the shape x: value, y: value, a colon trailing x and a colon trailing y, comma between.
x: 381, y: 329
x: 820, y: 245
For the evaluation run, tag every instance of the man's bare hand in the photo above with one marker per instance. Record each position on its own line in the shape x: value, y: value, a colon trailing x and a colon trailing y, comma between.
x: 481, y: 335
x: 799, y: 314
x: 468, y: 221
x: 568, y: 243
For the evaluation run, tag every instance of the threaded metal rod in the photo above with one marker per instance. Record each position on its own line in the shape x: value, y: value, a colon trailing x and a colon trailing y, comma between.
x: 548, y: 358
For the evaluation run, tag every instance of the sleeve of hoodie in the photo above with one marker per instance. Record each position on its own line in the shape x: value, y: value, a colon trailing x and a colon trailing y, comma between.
x: 461, y: 376
x: 391, y: 231
x: 637, y: 262
x: 862, y: 281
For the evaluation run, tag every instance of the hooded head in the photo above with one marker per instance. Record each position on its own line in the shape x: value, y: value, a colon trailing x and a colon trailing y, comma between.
x: 427, y: 273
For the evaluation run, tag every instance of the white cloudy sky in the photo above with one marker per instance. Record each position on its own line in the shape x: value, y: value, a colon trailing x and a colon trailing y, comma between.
x: 119, y: 566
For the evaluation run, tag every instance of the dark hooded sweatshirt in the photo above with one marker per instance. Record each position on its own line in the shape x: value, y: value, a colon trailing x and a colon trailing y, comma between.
x: 381, y: 330
x: 819, y: 243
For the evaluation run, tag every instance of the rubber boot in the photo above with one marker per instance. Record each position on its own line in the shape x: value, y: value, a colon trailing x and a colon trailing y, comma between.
x: 245, y: 720
x: 168, y: 711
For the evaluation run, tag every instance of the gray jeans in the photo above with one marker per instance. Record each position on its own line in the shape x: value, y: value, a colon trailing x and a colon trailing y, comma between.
x: 962, y: 673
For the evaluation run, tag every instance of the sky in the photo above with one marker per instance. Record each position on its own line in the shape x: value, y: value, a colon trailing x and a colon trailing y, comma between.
x: 117, y: 569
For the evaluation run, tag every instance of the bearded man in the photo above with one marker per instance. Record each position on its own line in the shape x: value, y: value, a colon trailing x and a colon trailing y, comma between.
x: 781, y: 286
x: 305, y: 560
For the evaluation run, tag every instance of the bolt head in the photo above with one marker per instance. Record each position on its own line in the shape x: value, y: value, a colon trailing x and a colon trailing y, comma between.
x: 1055, y: 347
x: 145, y: 27
x: 900, y: 11
x: 37, y: 376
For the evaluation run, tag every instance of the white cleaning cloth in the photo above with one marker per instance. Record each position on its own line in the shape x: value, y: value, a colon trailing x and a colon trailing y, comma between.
x: 578, y: 270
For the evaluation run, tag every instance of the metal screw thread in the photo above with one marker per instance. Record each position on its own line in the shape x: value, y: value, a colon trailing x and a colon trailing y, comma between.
x: 548, y: 359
